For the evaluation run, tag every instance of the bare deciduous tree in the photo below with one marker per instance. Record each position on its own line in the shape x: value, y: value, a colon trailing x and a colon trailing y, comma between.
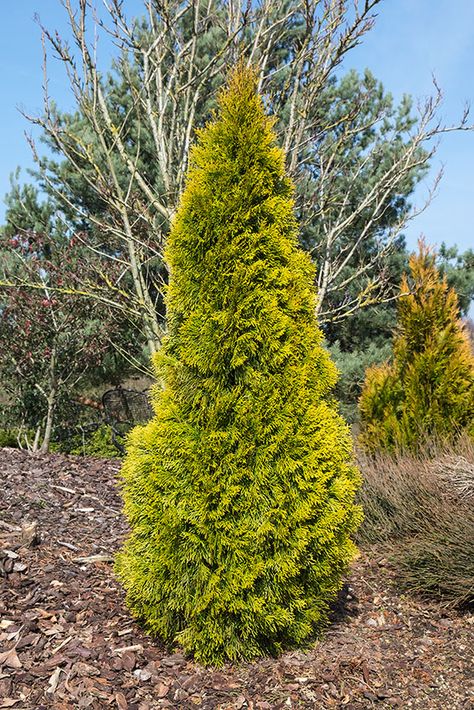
x: 169, y: 65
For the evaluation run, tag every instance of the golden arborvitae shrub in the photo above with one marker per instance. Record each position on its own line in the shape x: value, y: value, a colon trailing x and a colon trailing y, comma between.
x: 427, y: 392
x: 240, y: 491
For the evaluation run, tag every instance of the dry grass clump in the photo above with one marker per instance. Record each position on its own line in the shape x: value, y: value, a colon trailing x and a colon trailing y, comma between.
x: 422, y: 508
x: 458, y: 472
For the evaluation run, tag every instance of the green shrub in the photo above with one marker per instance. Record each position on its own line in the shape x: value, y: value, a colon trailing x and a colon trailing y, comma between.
x: 239, y: 492
x: 428, y: 390
x: 8, y: 437
x: 97, y: 444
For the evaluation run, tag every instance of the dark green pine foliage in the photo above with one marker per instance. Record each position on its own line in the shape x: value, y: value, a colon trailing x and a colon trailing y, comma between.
x: 240, y: 491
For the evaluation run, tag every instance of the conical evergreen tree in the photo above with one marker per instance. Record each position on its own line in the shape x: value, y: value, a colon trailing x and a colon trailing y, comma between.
x: 240, y: 491
x: 428, y: 390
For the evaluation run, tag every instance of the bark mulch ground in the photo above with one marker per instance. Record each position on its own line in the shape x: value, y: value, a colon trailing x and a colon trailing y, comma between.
x: 67, y: 641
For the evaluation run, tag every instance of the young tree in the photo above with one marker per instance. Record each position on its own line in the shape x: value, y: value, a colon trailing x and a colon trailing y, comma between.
x: 240, y: 491
x: 365, y: 339
x: 428, y: 389
x: 49, y: 344
x: 53, y: 342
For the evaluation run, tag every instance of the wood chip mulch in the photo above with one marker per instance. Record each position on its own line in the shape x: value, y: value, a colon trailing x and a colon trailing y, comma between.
x: 67, y: 640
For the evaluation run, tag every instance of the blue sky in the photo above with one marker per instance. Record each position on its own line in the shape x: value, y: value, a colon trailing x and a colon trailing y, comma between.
x: 411, y: 40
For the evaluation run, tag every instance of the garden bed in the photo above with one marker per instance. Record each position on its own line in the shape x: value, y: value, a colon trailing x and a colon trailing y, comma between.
x: 67, y: 640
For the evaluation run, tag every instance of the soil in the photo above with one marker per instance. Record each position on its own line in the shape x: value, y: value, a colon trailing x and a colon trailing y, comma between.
x: 68, y: 641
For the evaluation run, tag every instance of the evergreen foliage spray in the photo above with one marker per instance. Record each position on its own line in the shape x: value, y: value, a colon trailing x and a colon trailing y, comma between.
x: 427, y: 392
x: 240, y: 490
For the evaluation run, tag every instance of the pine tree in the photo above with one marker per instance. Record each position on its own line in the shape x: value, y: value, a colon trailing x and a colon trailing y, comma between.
x: 240, y: 491
x: 428, y: 390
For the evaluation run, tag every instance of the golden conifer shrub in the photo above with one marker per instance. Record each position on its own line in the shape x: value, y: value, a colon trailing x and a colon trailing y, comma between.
x: 240, y: 491
x: 427, y: 392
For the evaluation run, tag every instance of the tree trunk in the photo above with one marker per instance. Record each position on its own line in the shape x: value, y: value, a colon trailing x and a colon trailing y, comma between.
x: 48, y: 430
x: 34, y: 446
x: 51, y: 399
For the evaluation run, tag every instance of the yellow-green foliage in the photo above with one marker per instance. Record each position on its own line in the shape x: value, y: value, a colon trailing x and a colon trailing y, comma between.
x: 428, y: 390
x: 240, y: 491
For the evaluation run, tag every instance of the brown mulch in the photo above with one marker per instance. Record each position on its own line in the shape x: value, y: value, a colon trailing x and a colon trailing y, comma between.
x: 67, y: 641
